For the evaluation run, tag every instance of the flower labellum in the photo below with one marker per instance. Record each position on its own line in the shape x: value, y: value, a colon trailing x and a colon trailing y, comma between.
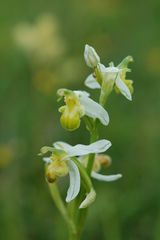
x: 71, y: 112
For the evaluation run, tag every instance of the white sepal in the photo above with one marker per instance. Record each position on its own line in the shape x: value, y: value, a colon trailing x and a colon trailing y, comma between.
x: 91, y: 82
x: 123, y: 88
x: 74, y: 186
x: 106, y: 178
x: 61, y: 145
x: 80, y: 149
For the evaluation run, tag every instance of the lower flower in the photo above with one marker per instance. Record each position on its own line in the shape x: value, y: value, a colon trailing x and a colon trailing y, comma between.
x: 61, y: 162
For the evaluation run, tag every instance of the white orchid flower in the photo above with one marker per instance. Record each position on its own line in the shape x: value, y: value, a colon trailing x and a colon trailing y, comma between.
x: 78, y: 104
x: 61, y: 157
x: 83, y: 150
x: 112, y: 76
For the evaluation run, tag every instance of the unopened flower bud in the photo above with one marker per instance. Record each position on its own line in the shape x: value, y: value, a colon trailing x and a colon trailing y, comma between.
x: 91, y: 57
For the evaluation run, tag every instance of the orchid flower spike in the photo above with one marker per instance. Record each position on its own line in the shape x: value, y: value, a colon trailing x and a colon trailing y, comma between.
x: 60, y: 163
x: 78, y: 104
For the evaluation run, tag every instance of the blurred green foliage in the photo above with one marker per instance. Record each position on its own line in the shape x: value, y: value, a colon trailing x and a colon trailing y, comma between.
x: 128, y: 209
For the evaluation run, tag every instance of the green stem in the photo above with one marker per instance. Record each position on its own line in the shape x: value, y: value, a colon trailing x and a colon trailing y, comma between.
x: 93, y: 137
x: 61, y: 207
x: 83, y: 212
x: 73, y: 236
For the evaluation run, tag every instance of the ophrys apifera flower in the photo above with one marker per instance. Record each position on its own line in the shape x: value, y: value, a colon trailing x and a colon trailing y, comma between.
x: 77, y: 105
x: 61, y: 163
x: 109, y: 78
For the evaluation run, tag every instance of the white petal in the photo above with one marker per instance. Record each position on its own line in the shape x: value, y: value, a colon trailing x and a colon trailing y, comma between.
x: 123, y: 88
x: 91, y: 82
x: 94, y: 110
x: 81, y: 150
x: 106, y: 178
x: 47, y: 160
x: 74, y: 187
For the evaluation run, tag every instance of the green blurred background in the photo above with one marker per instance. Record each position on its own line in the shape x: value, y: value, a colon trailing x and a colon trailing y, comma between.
x: 41, y: 48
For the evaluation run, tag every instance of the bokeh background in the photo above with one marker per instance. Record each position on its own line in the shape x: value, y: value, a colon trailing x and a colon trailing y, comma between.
x: 41, y: 48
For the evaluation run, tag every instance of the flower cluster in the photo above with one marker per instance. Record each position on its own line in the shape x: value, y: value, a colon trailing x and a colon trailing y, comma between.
x: 83, y: 162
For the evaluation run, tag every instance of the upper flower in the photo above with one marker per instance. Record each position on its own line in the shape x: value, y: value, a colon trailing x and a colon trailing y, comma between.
x: 78, y: 104
x: 111, y: 77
